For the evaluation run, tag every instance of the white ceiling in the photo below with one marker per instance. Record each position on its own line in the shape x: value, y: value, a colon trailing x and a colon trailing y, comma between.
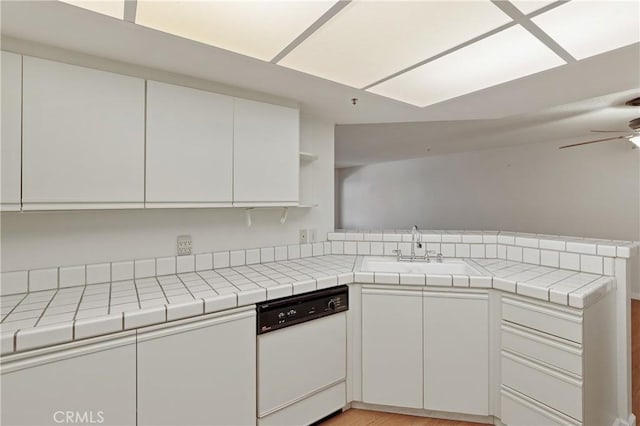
x: 541, y: 98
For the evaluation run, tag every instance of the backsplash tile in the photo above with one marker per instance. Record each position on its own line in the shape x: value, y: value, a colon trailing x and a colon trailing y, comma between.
x: 43, y: 279
x: 72, y: 276
x: 166, y: 265
x: 14, y: 282
x: 144, y: 268
x: 121, y: 271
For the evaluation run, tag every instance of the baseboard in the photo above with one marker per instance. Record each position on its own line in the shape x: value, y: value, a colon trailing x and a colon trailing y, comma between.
x: 631, y: 421
x: 426, y: 413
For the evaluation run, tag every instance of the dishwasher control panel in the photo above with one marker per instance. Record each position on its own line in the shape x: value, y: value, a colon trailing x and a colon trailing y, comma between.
x: 292, y: 310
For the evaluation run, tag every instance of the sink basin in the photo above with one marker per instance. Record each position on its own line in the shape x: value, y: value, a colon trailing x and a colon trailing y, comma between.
x: 389, y: 264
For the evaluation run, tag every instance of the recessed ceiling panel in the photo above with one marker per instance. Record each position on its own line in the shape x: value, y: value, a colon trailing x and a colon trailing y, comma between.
x: 257, y: 28
x: 505, y: 56
x: 370, y: 40
x: 113, y: 8
x: 585, y: 28
x: 528, y: 6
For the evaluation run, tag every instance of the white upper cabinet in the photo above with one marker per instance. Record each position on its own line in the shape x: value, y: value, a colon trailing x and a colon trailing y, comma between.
x: 189, y: 147
x: 83, y: 138
x: 11, y: 132
x: 266, y: 154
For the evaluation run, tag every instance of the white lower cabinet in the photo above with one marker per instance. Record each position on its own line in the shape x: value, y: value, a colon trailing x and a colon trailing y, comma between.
x: 456, y: 352
x: 81, y: 384
x: 392, y: 347
x: 199, y: 372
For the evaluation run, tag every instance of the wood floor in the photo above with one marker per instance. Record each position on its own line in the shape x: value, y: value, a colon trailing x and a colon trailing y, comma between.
x: 366, y: 418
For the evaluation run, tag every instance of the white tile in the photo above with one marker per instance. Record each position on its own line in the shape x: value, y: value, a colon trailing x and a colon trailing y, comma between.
x: 606, y: 250
x: 549, y: 258
x: 237, y: 258
x: 6, y: 342
x: 373, y: 237
x: 506, y: 239
x: 43, y: 279
x: 281, y: 253
x: 392, y: 237
x: 532, y: 290
x: 335, y: 236
x: 439, y: 280
x: 326, y: 282
x: 480, y: 282
x: 253, y: 256
x: 377, y: 248
x: 412, y: 279
x: 38, y: 337
x: 317, y: 249
x: 502, y: 251
x: 451, y: 238
x: 267, y: 254
x: 300, y: 287
x: 530, y: 255
x: 204, y: 261
x: 448, y: 250
x: 71, y: 276
x: 504, y: 284
x: 527, y: 242
x: 363, y: 277
x: 327, y: 247
x: 14, y: 282
x: 472, y: 238
x: 491, y: 251
x: 279, y: 291
x: 431, y: 238
x: 389, y: 248
x: 185, y: 264
x: 91, y: 327
x: 345, y: 278
x: 607, y: 265
x: 514, y: 253
x: 551, y: 244
x: 306, y: 250
x: 460, y: 280
x: 165, y: 265
x: 220, y: 303
x: 144, y: 317
x: 624, y: 251
x: 337, y: 247
x: 293, y: 251
x: 248, y: 297
x: 386, y: 278
x: 354, y: 236
x: 364, y: 248
x: 350, y: 247
x: 406, y: 248
x: 477, y: 250
x: 580, y: 247
x: 121, y: 271
x: 463, y: 250
x: 570, y: 261
x: 592, y: 264
x: 221, y: 260
x: 433, y: 247
x: 184, y: 310
x: 98, y: 273
x: 144, y: 268
x: 489, y: 238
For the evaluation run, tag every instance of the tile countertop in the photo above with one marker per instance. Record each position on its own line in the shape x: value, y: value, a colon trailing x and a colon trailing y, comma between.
x: 45, y: 318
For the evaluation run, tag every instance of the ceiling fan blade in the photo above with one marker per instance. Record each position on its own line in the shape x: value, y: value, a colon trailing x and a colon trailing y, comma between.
x: 596, y: 141
x: 609, y: 131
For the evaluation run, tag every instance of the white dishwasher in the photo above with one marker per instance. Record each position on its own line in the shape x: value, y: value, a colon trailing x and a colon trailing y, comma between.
x: 302, y: 357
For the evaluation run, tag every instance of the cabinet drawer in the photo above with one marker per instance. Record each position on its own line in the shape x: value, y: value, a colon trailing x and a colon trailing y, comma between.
x: 554, y: 321
x: 557, y: 390
x: 551, y: 350
x: 518, y: 410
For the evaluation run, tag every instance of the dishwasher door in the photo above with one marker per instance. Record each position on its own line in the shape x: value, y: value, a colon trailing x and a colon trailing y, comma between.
x: 299, y: 361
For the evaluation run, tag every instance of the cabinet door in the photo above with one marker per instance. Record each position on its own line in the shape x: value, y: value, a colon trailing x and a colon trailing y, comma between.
x: 11, y: 131
x: 456, y: 352
x: 392, y: 347
x: 83, y: 137
x: 266, y: 154
x: 87, y: 384
x: 201, y: 372
x: 189, y: 147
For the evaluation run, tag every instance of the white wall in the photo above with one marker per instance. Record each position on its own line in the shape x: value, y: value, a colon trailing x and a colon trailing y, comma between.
x: 44, y: 239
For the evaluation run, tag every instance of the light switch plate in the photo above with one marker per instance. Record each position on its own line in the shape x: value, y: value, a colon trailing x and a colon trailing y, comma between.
x: 304, y: 236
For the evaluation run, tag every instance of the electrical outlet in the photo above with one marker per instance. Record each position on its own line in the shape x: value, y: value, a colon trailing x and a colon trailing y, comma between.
x: 184, y: 245
x: 313, y: 235
x: 304, y: 236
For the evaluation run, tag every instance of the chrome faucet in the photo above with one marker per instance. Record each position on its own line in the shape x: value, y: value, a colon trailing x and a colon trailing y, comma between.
x: 416, y: 241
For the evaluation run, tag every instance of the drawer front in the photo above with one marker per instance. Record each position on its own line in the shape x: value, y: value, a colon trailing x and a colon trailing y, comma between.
x: 552, y: 388
x: 562, y: 324
x: 518, y: 410
x: 547, y: 349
